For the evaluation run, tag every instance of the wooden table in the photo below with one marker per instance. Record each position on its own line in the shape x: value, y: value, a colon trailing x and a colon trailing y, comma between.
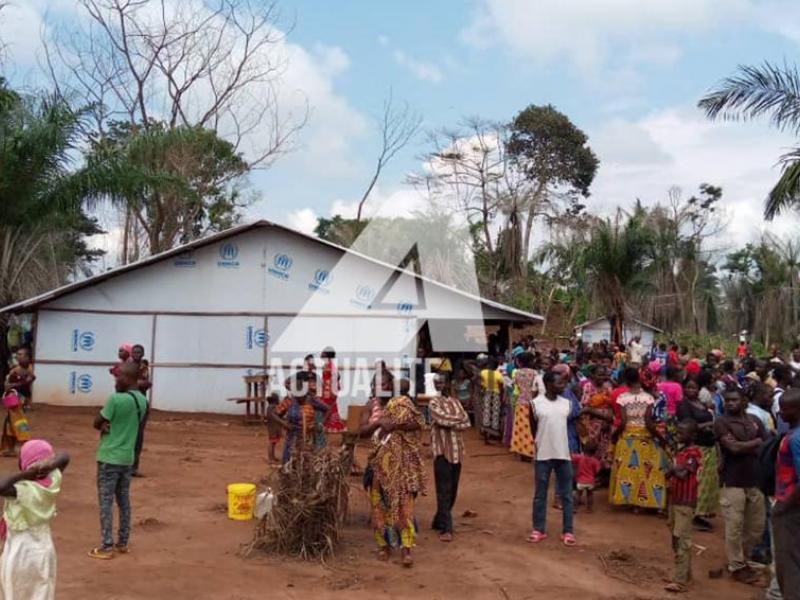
x: 255, y: 399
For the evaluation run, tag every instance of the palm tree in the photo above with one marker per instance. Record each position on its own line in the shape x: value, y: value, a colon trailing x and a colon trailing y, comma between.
x: 756, y: 91
x: 41, y: 195
x: 616, y: 261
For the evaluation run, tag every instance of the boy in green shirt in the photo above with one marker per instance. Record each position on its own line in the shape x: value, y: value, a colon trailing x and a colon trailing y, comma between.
x: 119, y: 423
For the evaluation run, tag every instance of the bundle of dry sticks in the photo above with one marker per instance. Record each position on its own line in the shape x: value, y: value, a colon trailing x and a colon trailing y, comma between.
x: 311, y: 496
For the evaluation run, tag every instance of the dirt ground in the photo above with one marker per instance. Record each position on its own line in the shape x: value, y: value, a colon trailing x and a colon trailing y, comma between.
x: 183, y: 545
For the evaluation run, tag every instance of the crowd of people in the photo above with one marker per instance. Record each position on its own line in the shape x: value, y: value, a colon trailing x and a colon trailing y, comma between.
x: 663, y: 431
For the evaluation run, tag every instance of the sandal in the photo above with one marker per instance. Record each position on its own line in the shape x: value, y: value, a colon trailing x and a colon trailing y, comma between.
x: 384, y: 554
x: 676, y: 588
x: 101, y: 554
x: 569, y: 539
x: 446, y: 537
x: 121, y: 549
x: 536, y: 536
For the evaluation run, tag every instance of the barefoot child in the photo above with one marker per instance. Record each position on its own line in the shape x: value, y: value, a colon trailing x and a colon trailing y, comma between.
x: 28, y: 564
x: 683, y: 500
x: 274, y: 429
x: 586, y: 466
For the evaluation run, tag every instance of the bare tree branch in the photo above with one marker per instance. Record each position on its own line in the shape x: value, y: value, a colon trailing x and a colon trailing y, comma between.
x: 398, y: 125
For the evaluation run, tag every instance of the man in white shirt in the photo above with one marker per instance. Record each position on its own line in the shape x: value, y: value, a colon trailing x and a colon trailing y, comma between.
x: 549, y: 416
x: 636, y: 351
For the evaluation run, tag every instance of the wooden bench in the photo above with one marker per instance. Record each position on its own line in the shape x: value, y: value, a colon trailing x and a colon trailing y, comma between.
x: 255, y: 399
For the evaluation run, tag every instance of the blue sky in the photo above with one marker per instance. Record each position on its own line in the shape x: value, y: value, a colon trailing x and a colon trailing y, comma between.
x: 628, y: 72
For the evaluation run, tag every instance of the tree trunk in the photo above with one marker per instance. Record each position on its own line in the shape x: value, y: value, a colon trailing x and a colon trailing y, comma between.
x: 5, y: 351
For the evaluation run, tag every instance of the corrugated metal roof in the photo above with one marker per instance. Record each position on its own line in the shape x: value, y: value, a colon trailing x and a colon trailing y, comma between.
x: 37, y: 301
x: 593, y: 321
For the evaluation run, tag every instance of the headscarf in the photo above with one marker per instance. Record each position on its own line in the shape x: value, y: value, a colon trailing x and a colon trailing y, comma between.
x: 33, y: 452
x: 648, y: 379
x: 517, y: 351
x: 126, y: 347
x: 692, y: 368
x: 655, y: 367
x: 562, y: 369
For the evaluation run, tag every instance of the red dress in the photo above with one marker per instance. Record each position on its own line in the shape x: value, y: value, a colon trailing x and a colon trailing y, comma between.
x: 330, y: 389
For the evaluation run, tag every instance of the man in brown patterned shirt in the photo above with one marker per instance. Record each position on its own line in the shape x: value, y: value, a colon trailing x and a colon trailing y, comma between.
x: 448, y: 420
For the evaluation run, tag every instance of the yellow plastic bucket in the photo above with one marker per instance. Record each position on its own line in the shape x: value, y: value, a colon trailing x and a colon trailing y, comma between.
x: 241, y: 501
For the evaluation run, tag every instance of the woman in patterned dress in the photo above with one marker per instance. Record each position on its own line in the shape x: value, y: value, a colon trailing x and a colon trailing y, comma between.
x: 396, y: 476
x: 596, y: 422
x: 491, y: 407
x: 330, y: 390
x: 638, y: 472
x: 526, y: 387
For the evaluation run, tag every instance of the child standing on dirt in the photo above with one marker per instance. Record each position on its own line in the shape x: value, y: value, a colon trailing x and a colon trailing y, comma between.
x: 586, y: 467
x: 17, y: 392
x: 683, y: 500
x: 274, y: 429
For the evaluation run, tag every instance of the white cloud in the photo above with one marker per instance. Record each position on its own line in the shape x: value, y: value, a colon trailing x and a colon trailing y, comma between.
x: 304, y: 220
x: 423, y: 70
x: 588, y: 34
x: 679, y: 146
x: 383, y: 40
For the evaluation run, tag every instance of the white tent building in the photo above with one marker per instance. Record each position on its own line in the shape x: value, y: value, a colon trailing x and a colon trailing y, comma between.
x: 247, y: 300
x: 600, y: 329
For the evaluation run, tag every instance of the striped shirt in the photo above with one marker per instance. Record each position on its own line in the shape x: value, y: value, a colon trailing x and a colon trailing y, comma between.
x: 449, y: 419
x: 683, y: 492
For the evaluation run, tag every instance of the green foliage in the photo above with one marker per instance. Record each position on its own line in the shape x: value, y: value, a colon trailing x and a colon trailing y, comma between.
x: 179, y: 182
x: 756, y: 91
x: 340, y: 230
x: 549, y: 149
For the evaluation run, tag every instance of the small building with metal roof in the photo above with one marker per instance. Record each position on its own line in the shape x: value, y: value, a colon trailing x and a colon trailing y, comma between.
x: 600, y: 329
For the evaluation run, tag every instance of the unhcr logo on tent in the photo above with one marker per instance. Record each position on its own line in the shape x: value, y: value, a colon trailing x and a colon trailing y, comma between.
x: 82, y: 340
x: 228, y: 254
x: 364, y: 295
x: 80, y: 383
x: 256, y: 338
x: 281, y: 264
x: 185, y: 259
x: 322, y: 279
x: 405, y: 308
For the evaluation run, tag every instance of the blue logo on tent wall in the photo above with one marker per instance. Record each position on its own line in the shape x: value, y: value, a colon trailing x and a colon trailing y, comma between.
x: 186, y: 259
x: 82, y: 383
x: 322, y: 278
x: 404, y: 307
x: 82, y: 340
x: 228, y: 253
x: 256, y: 338
x: 281, y: 265
x: 364, y: 295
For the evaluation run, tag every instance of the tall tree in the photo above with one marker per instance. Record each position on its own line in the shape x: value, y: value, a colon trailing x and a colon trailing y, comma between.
x: 212, y: 65
x: 616, y: 260
x: 554, y: 155
x: 764, y: 90
x: 177, y: 183
x: 397, y: 126
x: 41, y: 195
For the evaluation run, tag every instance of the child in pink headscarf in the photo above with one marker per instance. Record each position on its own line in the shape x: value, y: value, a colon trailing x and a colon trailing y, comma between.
x: 124, y: 355
x: 28, y: 563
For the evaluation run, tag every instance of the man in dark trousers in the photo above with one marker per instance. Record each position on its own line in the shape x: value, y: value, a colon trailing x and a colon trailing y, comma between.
x: 448, y: 420
x: 119, y: 423
x: 786, y: 512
